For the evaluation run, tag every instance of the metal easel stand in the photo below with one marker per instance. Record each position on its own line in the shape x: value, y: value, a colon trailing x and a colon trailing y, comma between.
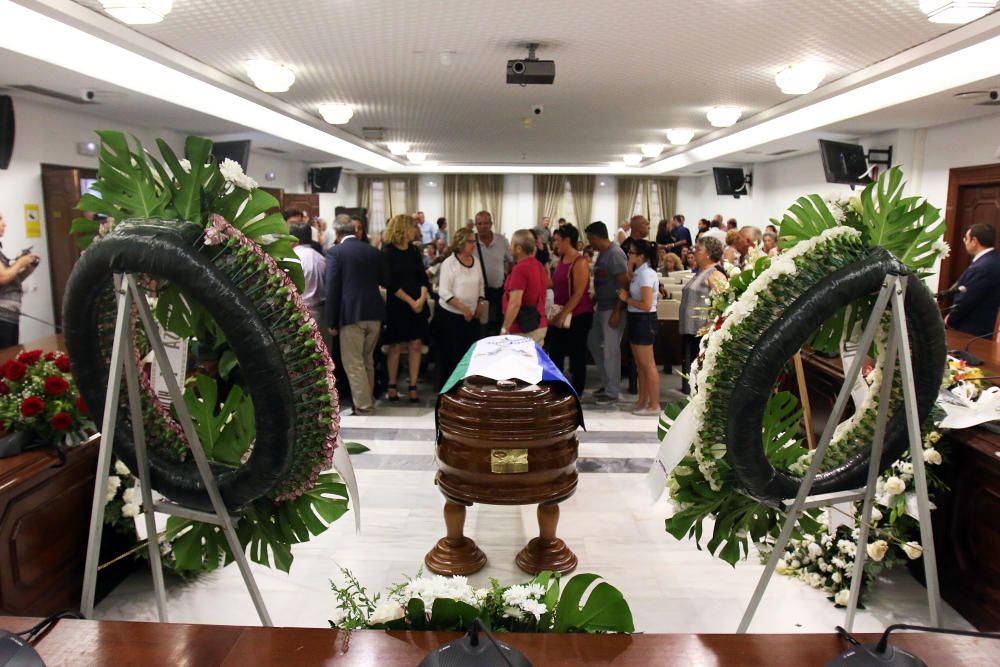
x: 898, y: 349
x: 129, y: 294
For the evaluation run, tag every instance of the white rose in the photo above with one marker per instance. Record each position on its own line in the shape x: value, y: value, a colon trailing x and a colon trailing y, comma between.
x: 894, y: 486
x: 842, y: 597
x: 121, y: 468
x: 876, y: 514
x: 782, y: 567
x: 906, y: 467
x: 932, y: 456
x: 913, y: 550
x: 836, y: 577
x: 129, y: 495
x: 130, y: 510
x: 815, y: 550
x: 796, y: 564
x: 386, y: 611
x: 877, y: 550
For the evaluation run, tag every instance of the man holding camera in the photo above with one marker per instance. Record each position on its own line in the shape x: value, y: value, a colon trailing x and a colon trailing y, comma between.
x: 12, y: 274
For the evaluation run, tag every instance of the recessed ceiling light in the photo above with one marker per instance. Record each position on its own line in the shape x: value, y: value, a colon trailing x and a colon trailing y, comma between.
x: 801, y: 78
x: 724, y: 116
x: 398, y: 147
x: 336, y: 114
x: 269, y: 76
x: 138, y: 12
x: 651, y: 150
x: 416, y: 158
x: 679, y: 136
x: 956, y: 11
x: 632, y: 159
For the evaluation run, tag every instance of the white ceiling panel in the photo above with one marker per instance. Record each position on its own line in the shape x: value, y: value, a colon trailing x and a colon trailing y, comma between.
x: 624, y: 71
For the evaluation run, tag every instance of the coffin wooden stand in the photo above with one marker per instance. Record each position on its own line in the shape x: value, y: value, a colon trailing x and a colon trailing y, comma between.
x: 505, y: 443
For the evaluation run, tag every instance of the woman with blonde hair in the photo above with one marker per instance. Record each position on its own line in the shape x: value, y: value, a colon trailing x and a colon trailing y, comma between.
x: 461, y: 300
x: 407, y: 290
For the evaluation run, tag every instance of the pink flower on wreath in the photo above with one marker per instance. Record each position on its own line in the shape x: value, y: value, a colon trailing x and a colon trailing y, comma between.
x: 218, y: 231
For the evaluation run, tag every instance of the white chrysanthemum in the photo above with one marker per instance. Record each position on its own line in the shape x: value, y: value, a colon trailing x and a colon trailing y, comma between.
x: 941, y: 248
x: 130, y: 510
x: 121, y: 468
x: 131, y: 495
x: 232, y: 172
x: 114, y: 482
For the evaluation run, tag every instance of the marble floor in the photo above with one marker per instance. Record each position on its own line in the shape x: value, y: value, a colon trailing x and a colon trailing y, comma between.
x: 611, y: 524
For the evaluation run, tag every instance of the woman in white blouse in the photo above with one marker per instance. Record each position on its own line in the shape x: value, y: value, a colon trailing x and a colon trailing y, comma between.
x: 460, y: 303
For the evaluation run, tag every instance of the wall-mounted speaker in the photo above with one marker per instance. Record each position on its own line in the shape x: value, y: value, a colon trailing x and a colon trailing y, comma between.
x: 6, y: 130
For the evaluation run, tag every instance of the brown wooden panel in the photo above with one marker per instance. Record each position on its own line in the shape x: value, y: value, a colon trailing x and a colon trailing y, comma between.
x: 302, y: 202
x: 73, y: 642
x: 61, y: 194
x: 973, y: 196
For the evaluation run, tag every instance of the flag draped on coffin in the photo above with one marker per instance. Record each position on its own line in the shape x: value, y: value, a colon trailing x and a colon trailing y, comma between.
x: 508, y: 358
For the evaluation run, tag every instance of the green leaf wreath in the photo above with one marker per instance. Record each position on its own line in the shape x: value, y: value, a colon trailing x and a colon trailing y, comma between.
x: 818, y: 236
x: 253, y: 248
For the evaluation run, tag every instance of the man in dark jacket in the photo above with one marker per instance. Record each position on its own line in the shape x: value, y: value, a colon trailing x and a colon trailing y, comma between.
x: 975, y: 307
x: 355, y: 309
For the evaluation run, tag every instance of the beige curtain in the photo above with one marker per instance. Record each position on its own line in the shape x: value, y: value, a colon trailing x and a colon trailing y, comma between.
x: 398, y: 195
x: 628, y: 190
x: 549, y: 189
x: 411, y: 200
x: 365, y: 191
x: 467, y: 194
x: 667, y: 195
x: 582, y: 188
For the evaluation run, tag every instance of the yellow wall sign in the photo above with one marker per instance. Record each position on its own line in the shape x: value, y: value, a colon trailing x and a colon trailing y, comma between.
x: 32, y: 221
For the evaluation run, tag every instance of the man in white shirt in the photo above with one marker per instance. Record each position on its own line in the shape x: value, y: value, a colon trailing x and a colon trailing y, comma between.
x: 493, y: 251
x: 314, y: 270
x: 427, y: 228
x: 716, y: 229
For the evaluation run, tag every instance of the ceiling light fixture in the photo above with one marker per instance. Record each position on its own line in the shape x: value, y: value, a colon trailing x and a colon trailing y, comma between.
x: 398, y: 148
x: 680, y: 136
x: 651, y: 150
x: 138, y: 12
x: 632, y: 159
x: 801, y: 78
x: 336, y: 114
x: 269, y: 76
x: 416, y: 158
x: 956, y: 11
x: 723, y: 116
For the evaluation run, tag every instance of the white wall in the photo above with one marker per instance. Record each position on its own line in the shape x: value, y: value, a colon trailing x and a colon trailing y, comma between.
x: 50, y: 135
x: 346, y: 195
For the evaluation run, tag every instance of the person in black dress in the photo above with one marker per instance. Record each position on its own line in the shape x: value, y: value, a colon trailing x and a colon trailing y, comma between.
x: 407, y: 291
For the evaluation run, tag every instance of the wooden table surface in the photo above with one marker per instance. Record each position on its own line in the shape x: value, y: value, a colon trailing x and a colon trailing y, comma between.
x: 79, y: 643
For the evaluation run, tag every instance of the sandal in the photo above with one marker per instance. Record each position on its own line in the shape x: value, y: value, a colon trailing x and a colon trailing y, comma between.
x: 413, y: 394
x: 394, y: 395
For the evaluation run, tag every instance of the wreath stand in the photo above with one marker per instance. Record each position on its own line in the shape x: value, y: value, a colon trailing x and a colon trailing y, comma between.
x: 129, y: 295
x: 893, y: 289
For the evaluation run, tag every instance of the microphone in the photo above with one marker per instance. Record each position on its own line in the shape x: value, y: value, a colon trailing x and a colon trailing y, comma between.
x: 961, y: 289
x: 864, y: 655
x: 966, y: 356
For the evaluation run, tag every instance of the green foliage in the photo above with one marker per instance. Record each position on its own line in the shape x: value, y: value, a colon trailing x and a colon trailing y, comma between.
x: 604, y: 611
x: 225, y: 430
x: 266, y: 530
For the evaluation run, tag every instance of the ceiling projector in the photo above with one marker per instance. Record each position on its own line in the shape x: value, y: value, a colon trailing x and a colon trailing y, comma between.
x: 531, y: 70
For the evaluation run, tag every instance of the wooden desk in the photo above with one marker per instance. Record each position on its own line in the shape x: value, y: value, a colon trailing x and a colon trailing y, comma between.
x: 966, y: 530
x: 118, y: 643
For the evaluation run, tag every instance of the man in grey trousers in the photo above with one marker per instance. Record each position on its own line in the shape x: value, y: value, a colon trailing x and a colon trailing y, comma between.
x: 605, y: 338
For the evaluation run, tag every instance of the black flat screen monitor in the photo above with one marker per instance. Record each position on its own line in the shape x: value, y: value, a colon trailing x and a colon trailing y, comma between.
x: 844, y: 163
x: 730, y: 181
x: 237, y: 151
x: 324, y: 179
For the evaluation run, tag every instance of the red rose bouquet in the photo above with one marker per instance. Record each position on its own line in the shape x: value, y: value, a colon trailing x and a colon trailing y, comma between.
x: 37, y: 394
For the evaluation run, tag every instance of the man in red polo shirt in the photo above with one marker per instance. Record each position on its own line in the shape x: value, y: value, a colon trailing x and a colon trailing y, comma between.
x: 525, y: 289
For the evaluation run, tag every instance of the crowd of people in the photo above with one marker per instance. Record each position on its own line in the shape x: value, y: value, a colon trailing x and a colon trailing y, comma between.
x: 419, y: 290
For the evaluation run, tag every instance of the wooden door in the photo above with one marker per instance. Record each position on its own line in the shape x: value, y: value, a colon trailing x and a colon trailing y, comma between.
x: 61, y: 194
x: 973, y: 197
x: 302, y: 202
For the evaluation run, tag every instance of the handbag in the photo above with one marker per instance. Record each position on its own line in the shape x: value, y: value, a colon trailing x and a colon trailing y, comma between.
x: 528, y: 318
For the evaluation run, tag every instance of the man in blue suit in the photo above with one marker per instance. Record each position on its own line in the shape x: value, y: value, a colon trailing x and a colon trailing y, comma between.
x: 975, y: 307
x: 355, y: 309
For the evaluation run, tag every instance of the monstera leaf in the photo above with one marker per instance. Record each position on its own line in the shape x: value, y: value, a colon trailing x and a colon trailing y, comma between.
x: 604, y: 611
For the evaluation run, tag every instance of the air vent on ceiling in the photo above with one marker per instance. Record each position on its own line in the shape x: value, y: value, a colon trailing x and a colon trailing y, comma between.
x: 784, y: 152
x: 699, y: 173
x: 276, y: 151
x: 55, y: 94
x: 373, y: 133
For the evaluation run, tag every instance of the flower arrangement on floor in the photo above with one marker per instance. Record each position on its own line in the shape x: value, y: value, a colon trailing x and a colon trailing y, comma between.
x: 451, y: 603
x: 818, y: 238
x: 824, y: 559
x: 254, y: 251
x: 38, y: 395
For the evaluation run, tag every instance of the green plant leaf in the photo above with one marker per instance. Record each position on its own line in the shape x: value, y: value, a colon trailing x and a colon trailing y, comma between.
x: 356, y: 448
x: 604, y: 611
x: 449, y: 614
x: 198, y: 152
x: 124, y: 179
x: 416, y: 614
